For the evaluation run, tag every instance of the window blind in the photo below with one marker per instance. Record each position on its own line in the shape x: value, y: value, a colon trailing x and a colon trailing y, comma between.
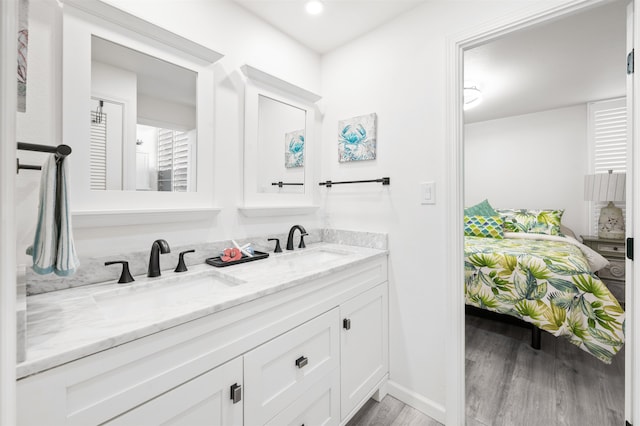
x: 173, y: 160
x: 607, y: 134
x: 98, y: 151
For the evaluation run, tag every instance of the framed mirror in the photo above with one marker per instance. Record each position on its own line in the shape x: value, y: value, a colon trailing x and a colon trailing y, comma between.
x: 138, y: 106
x: 279, y: 146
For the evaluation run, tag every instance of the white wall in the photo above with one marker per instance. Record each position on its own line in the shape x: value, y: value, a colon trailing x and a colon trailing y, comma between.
x: 220, y: 25
x: 159, y: 112
x: 532, y: 161
x: 398, y: 71
x: 42, y: 122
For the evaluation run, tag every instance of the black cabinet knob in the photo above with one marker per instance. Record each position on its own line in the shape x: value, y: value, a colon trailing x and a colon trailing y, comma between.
x: 346, y: 324
x: 236, y: 393
x: 302, y: 361
x: 125, y: 276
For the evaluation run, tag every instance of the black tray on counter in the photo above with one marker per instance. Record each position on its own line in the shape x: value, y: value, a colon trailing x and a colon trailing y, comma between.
x: 218, y: 263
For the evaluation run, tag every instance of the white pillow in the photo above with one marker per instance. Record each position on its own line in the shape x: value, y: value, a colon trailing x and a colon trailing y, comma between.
x: 596, y: 261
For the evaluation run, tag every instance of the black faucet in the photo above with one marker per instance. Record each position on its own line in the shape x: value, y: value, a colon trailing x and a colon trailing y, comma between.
x: 158, y: 246
x: 303, y: 232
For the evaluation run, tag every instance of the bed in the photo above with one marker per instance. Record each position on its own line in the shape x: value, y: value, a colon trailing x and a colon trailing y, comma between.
x: 547, y: 281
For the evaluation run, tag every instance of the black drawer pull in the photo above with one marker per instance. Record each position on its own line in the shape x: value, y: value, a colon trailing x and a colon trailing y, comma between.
x: 346, y: 324
x: 236, y: 393
x: 302, y: 361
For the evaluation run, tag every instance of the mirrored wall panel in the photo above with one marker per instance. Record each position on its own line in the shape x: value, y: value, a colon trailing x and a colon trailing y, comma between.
x: 143, y: 121
x: 281, y: 147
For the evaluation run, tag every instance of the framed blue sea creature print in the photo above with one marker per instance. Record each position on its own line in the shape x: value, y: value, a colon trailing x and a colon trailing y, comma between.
x: 357, y: 138
x: 294, y: 149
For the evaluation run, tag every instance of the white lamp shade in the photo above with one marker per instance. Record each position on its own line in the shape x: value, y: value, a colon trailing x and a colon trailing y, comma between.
x: 605, y: 187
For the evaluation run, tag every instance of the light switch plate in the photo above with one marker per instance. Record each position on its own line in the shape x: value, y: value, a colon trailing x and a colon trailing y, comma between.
x: 428, y: 193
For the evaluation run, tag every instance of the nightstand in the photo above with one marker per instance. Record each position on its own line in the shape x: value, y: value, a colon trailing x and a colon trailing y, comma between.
x: 614, y: 252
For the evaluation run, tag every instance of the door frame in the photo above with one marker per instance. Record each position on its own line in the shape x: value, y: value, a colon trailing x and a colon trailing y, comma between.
x: 8, y: 104
x: 455, y: 346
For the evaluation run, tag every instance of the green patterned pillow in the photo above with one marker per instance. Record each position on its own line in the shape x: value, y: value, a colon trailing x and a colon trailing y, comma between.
x: 532, y: 221
x: 483, y: 226
x: 483, y: 208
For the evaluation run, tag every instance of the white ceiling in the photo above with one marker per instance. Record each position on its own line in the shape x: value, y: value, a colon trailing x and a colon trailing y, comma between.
x: 570, y: 61
x: 341, y: 21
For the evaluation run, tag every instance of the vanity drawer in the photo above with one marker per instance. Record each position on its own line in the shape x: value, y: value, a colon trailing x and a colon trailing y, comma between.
x: 279, y: 371
x: 318, y: 406
x: 201, y: 401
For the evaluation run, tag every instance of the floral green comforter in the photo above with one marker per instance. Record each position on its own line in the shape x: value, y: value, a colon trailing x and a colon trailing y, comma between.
x: 547, y: 283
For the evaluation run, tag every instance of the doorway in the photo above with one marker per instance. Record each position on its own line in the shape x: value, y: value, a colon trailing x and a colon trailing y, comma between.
x: 510, y: 25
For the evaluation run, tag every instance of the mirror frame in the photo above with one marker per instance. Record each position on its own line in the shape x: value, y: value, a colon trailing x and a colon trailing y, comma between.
x: 100, y: 208
x: 259, y: 83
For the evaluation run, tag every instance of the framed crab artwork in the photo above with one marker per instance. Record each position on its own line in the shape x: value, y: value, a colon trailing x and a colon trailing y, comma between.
x: 357, y: 138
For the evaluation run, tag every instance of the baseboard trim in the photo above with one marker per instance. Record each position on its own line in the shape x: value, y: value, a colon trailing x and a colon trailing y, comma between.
x: 431, y: 408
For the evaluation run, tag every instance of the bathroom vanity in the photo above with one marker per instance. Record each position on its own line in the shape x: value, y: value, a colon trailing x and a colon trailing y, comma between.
x: 298, y: 338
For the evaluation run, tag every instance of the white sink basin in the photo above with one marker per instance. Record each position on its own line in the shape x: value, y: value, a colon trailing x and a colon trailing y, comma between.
x: 159, y: 296
x: 306, y: 259
x: 316, y: 256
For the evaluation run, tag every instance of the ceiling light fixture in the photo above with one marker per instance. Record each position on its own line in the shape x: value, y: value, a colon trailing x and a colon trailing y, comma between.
x: 472, y: 96
x: 314, y: 7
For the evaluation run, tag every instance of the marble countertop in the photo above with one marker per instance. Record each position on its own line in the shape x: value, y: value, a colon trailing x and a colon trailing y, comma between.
x: 66, y: 325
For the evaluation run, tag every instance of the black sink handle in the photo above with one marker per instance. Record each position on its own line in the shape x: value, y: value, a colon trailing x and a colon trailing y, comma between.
x: 182, y: 267
x: 302, y: 245
x: 125, y: 276
x: 278, y: 249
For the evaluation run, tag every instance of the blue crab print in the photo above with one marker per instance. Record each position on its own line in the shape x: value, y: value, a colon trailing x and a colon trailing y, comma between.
x: 295, y: 156
x: 354, y: 143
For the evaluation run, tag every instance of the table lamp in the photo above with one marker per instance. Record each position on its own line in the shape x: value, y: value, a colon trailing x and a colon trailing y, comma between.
x: 608, y: 187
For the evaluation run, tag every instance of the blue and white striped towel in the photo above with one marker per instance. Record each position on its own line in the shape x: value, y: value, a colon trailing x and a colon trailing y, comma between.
x: 53, y: 249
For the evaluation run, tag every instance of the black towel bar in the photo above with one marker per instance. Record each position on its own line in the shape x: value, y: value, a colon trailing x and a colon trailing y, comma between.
x: 26, y: 166
x: 384, y: 181
x: 281, y: 184
x: 60, y: 151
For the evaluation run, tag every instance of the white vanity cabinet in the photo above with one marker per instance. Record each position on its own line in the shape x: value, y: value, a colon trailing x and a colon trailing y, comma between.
x: 289, y: 355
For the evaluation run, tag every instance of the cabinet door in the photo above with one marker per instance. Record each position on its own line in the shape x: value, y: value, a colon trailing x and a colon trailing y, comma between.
x: 364, y: 346
x: 203, y: 401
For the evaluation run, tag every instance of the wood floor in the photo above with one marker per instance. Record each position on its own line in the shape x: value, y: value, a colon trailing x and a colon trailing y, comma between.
x: 390, y: 412
x: 510, y: 383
